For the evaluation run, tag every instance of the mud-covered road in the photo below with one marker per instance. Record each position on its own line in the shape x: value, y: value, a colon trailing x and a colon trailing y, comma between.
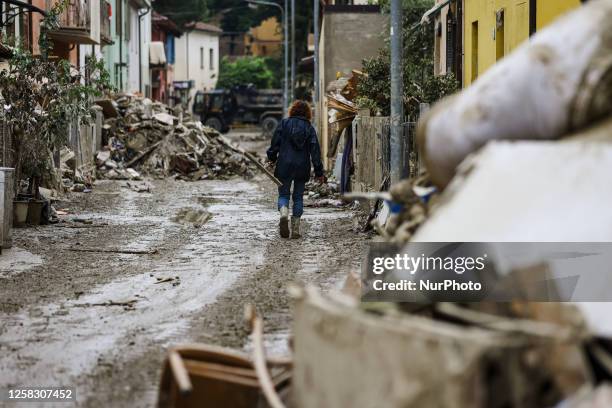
x: 74, y: 313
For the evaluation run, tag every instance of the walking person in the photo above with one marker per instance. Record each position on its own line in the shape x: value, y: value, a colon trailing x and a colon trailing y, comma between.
x: 294, y: 147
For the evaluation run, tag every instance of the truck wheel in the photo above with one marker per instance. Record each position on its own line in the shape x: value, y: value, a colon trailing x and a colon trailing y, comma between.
x: 269, y: 124
x: 214, y: 123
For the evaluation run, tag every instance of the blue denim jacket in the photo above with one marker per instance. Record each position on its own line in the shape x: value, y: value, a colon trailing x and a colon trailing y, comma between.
x: 294, y: 145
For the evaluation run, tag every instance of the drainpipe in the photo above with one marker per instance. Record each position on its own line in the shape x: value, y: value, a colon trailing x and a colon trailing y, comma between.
x: 285, y: 23
x: 316, y: 51
x: 140, y: 16
x: 121, y: 14
x: 292, y: 94
x: 187, y: 54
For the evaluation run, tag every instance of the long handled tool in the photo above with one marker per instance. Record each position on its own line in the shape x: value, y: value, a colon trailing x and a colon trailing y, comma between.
x: 252, y: 158
x: 263, y: 168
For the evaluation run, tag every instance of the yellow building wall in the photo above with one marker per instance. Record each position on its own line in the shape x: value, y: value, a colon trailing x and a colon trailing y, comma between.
x: 549, y: 10
x: 266, y: 38
x: 484, y: 44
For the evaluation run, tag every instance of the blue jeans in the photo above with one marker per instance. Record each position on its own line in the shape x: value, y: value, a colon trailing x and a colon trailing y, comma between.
x: 284, y: 192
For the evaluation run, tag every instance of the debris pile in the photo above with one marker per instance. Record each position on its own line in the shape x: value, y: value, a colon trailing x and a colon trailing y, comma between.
x: 397, y: 214
x: 74, y: 178
x: 342, y: 109
x: 410, y: 203
x: 477, y: 355
x: 149, y: 137
x: 521, y: 351
x: 322, y: 195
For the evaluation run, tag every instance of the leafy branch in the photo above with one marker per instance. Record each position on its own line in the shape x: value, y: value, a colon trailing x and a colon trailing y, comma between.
x: 42, y: 97
x: 420, y: 83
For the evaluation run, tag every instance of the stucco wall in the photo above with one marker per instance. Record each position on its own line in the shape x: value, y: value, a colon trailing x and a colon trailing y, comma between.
x: 188, y: 65
x: 266, y: 38
x: 349, y: 38
x: 346, y: 39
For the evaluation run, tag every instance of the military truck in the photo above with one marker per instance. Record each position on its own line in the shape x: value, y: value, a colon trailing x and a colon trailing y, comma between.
x: 223, y: 108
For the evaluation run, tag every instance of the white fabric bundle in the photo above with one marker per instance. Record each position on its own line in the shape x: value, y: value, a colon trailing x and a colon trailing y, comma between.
x: 559, y: 81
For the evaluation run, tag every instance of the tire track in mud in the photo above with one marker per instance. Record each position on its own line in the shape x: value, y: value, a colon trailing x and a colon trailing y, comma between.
x: 322, y: 257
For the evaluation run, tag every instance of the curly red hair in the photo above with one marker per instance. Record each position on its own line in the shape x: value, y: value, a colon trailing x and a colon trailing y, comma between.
x: 300, y: 109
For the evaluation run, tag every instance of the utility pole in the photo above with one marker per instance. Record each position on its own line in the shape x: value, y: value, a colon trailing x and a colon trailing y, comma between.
x: 397, y: 84
x: 286, y: 88
x: 292, y: 92
x: 316, y: 53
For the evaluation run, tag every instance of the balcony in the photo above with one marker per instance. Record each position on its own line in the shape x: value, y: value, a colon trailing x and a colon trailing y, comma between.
x: 105, y: 22
x: 79, y: 23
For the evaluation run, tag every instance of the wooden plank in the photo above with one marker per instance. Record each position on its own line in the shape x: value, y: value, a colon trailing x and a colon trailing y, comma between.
x: 180, y: 373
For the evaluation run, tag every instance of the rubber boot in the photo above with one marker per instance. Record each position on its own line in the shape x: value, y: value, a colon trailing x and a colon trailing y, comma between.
x: 295, y: 227
x: 284, y: 222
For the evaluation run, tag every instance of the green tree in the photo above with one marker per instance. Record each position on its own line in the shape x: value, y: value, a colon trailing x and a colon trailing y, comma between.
x: 182, y: 11
x: 275, y: 64
x: 244, y: 71
x: 420, y: 83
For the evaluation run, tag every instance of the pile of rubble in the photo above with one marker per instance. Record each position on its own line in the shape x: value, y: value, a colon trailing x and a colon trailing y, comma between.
x: 149, y: 137
x: 341, y: 106
x: 74, y: 178
x: 410, y: 204
x: 397, y: 214
x: 322, y: 195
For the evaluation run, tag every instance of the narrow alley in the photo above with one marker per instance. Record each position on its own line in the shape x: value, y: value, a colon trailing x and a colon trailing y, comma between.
x: 98, y: 320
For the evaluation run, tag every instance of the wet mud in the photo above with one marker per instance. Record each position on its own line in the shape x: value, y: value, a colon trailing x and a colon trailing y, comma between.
x: 102, y: 321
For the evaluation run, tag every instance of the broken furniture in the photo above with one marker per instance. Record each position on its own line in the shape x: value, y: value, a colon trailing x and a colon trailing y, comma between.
x: 199, y: 376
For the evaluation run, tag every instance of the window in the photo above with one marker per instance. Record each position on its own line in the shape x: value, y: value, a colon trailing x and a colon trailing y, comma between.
x: 500, y: 42
x: 474, y: 50
x: 211, y: 62
x: 170, y: 56
x: 201, y: 57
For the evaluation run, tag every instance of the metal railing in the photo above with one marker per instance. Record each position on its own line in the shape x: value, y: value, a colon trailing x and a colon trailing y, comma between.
x: 410, y: 151
x: 76, y: 15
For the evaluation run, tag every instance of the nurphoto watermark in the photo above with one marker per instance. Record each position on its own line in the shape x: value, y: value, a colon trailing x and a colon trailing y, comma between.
x: 473, y: 272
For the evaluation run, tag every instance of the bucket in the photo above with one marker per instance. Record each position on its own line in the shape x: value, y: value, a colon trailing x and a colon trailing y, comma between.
x: 35, y: 212
x: 20, y: 213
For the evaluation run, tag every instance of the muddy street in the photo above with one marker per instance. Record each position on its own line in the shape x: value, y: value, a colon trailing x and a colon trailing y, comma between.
x: 94, y: 302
